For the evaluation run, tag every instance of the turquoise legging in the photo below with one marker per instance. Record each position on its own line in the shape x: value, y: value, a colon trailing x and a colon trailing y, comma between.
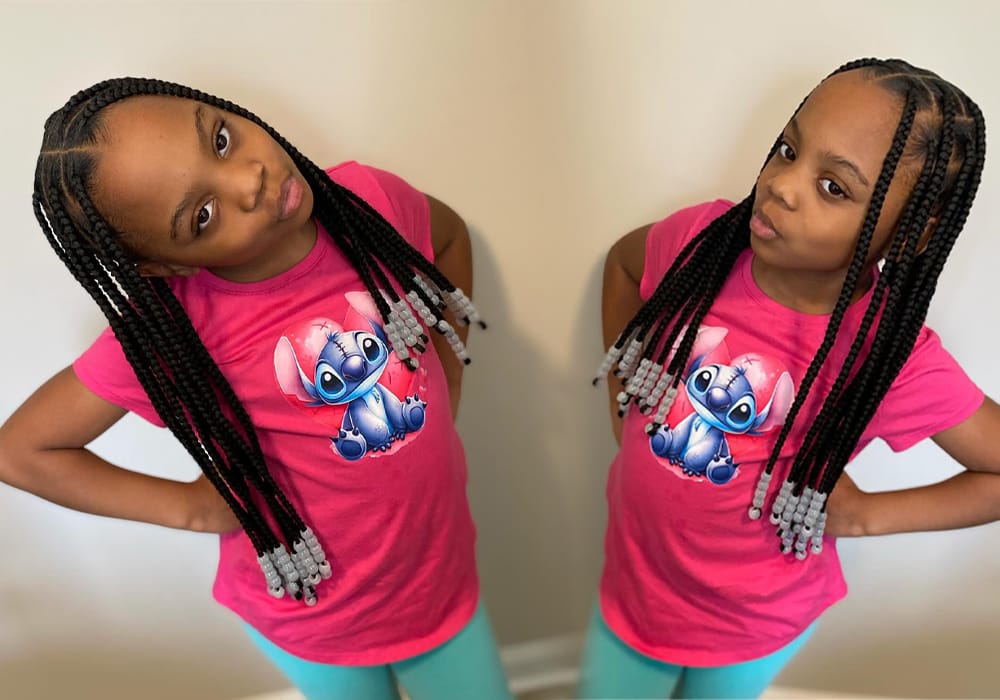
x: 466, y: 666
x: 611, y: 669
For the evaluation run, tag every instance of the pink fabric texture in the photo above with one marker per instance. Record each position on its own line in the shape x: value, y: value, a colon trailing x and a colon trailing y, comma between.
x: 688, y: 578
x: 395, y: 524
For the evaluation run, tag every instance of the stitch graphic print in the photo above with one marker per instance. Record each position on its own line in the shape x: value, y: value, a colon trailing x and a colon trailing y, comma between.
x: 726, y: 401
x: 346, y: 376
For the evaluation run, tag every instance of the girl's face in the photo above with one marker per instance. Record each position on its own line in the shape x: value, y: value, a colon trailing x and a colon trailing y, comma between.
x: 813, y: 194
x: 191, y: 186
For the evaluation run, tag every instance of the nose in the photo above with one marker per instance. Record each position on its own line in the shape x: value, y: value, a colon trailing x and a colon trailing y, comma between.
x: 718, y: 399
x: 246, y: 184
x: 783, y: 187
x: 353, y: 367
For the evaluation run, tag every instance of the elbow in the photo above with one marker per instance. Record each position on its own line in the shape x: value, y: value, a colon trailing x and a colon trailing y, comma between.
x: 16, y: 458
x: 7, y: 456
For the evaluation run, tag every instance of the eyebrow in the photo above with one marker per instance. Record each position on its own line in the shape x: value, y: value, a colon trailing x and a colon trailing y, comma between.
x: 847, y: 164
x: 203, y: 139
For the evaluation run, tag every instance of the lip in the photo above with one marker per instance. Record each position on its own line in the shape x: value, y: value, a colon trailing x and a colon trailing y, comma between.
x: 289, y: 198
x: 762, y: 227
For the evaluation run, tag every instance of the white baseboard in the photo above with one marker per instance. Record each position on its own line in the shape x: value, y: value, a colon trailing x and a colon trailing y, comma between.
x: 552, y: 662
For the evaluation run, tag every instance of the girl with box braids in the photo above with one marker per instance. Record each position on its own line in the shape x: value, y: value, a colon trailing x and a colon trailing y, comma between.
x: 940, y: 130
x: 183, y: 382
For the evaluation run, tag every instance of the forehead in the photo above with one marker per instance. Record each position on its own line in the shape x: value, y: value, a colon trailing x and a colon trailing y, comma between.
x: 146, y: 162
x: 851, y: 117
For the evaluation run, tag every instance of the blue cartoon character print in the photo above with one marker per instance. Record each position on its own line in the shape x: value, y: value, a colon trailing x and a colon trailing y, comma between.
x: 748, y: 395
x: 323, y: 364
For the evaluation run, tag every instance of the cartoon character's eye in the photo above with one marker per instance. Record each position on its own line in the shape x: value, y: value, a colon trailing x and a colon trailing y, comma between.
x: 704, y: 379
x: 742, y: 413
x: 370, y: 347
x: 329, y: 383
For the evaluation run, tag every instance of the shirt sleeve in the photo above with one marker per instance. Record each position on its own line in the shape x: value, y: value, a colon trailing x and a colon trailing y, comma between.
x: 668, y: 237
x: 104, y: 370
x: 932, y: 393
x: 411, y: 208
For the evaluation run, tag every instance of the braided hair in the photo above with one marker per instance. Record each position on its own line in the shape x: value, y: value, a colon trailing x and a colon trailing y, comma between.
x: 182, y: 381
x: 939, y: 126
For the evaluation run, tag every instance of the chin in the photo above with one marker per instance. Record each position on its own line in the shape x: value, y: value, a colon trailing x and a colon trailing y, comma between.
x: 308, y: 203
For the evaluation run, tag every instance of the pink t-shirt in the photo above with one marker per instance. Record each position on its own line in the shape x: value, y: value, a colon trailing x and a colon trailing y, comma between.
x: 688, y: 578
x: 395, y: 525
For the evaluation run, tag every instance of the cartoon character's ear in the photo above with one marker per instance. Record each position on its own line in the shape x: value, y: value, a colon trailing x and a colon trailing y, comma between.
x: 379, y: 333
x: 291, y: 378
x: 363, y: 303
x: 709, y: 348
x: 362, y: 312
x: 776, y: 411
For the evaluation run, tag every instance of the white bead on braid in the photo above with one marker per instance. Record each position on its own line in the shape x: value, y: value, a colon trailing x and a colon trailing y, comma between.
x: 760, y: 495
x: 426, y: 289
x: 319, y: 556
x: 778, y: 507
x: 396, y: 337
x: 430, y: 318
x: 457, y: 346
x: 813, y: 515
x: 274, y: 584
x: 620, y: 349
x: 659, y: 389
x: 649, y: 381
x: 817, y: 536
x: 462, y: 307
x: 631, y: 354
x: 284, y: 565
x: 666, y: 403
x: 635, y: 383
x: 401, y: 330
x: 609, y: 359
x: 785, y: 529
x: 409, y: 324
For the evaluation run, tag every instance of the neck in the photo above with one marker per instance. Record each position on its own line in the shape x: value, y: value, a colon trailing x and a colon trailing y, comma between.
x: 275, y: 262
x: 806, y: 291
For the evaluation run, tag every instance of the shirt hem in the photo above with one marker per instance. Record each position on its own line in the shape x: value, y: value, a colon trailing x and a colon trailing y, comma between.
x: 394, y: 653
x: 683, y: 657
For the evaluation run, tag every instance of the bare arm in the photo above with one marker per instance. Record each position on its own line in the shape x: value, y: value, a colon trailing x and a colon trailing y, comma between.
x: 453, y: 256
x: 620, y: 301
x: 967, y: 499
x: 43, y: 451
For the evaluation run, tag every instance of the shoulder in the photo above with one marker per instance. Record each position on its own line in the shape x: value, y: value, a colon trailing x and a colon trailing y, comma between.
x: 667, y: 237
x: 684, y: 224
x: 405, y: 207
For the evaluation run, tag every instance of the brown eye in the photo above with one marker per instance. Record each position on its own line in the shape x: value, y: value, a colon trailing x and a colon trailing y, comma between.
x: 786, y: 151
x: 204, y: 215
x: 832, y: 188
x: 222, y: 141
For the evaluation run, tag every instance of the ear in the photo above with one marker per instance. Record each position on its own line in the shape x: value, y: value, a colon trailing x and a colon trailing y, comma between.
x: 148, y: 268
x: 925, y: 238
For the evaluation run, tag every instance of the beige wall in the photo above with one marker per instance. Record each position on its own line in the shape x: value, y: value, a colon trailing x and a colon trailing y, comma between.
x: 552, y: 127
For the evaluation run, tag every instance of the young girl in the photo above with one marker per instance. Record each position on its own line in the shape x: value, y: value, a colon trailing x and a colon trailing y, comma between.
x: 276, y: 318
x: 769, y: 342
